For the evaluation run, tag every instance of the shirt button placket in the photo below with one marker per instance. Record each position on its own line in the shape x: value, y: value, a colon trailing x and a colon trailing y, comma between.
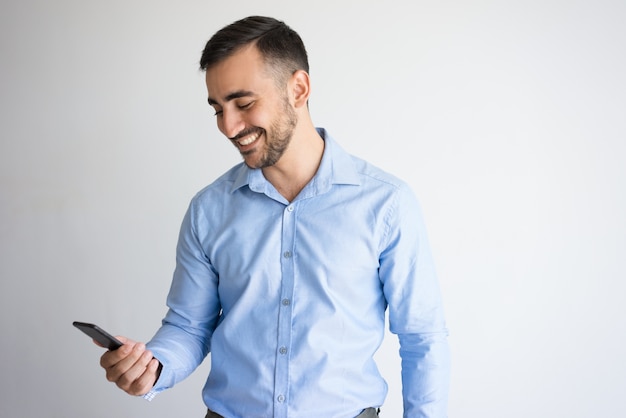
x: 281, y: 383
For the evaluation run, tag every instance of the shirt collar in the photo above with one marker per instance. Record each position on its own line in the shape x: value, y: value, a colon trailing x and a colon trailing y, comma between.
x: 336, y: 167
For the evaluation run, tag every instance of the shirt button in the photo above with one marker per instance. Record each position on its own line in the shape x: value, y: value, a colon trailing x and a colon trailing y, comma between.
x: 280, y: 398
x: 283, y: 350
x: 286, y: 302
x: 289, y: 208
x: 287, y: 254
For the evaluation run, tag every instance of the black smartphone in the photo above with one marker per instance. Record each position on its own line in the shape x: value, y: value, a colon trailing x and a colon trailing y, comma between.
x: 98, y: 334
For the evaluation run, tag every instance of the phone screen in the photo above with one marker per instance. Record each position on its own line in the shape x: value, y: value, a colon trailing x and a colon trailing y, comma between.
x: 98, y: 334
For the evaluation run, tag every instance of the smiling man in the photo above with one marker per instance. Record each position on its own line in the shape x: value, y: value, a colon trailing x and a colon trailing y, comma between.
x: 288, y: 263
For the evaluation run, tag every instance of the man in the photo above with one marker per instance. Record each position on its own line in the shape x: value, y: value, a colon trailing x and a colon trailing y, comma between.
x: 287, y: 263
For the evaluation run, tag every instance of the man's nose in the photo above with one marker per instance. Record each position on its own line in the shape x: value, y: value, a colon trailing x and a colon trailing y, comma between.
x: 232, y: 123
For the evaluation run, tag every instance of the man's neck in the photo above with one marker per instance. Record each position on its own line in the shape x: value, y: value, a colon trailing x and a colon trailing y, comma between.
x: 298, y: 165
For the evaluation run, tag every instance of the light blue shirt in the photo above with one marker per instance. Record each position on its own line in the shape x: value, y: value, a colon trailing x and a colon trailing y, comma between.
x: 290, y: 297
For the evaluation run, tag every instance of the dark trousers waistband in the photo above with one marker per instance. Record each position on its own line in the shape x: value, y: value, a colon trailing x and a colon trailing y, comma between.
x: 367, y: 413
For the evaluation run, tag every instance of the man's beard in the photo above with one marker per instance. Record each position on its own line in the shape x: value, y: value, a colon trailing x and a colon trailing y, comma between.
x: 279, y: 136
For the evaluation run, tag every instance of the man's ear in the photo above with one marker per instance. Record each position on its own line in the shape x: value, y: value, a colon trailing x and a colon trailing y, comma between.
x: 300, y: 88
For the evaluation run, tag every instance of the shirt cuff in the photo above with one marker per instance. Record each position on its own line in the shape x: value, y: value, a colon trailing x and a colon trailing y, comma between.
x: 150, y: 395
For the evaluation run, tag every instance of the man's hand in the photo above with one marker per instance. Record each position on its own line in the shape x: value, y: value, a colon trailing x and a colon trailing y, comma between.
x: 131, y: 367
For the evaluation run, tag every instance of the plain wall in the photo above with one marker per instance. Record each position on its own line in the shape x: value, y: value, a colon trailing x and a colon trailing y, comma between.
x: 508, y: 119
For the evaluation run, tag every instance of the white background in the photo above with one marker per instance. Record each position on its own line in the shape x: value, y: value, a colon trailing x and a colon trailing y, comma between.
x: 508, y: 118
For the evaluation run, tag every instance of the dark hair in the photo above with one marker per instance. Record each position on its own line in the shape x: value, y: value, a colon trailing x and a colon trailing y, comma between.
x: 280, y: 46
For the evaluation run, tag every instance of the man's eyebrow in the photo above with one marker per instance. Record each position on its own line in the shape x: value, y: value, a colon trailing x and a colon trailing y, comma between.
x: 232, y: 96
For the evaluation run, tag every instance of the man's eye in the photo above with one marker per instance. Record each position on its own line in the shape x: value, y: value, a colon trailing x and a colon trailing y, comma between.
x: 218, y: 112
x: 245, y: 106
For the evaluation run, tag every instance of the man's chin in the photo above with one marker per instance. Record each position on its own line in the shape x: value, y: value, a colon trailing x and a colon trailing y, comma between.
x: 250, y: 165
x: 257, y: 159
x: 252, y: 162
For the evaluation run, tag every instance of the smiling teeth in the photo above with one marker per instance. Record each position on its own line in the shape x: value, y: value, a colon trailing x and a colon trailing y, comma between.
x: 248, y: 140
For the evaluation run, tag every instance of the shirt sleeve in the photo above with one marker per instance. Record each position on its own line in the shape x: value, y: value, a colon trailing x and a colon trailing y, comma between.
x: 184, y: 339
x: 415, y: 310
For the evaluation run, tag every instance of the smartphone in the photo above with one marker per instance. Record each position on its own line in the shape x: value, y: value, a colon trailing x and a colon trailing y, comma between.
x: 98, y: 334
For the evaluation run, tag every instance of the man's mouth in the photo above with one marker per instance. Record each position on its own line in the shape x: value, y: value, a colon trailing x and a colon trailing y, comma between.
x: 248, y: 139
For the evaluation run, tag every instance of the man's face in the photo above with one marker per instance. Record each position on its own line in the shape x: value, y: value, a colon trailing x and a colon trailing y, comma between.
x: 251, y: 110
